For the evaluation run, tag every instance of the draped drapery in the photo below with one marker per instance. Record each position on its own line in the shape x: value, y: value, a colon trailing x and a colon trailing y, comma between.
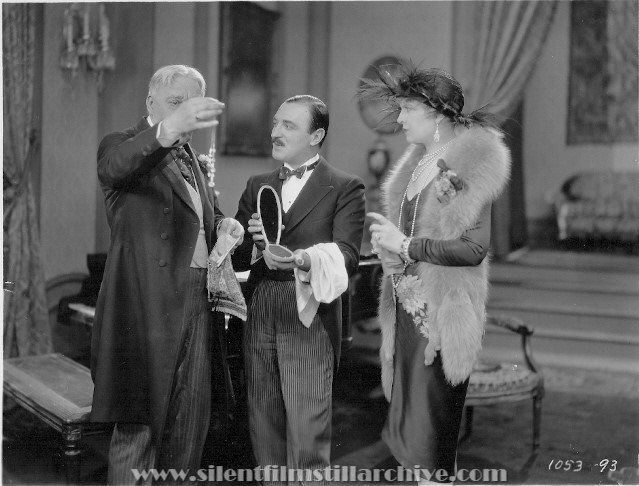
x: 495, y: 54
x: 26, y: 325
x: 503, y: 42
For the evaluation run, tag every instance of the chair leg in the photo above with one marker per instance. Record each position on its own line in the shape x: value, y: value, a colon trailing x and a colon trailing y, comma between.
x: 72, y: 436
x: 536, y: 422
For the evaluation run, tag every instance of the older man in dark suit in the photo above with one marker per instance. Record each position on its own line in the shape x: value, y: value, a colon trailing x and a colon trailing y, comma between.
x: 151, y: 348
x: 291, y: 352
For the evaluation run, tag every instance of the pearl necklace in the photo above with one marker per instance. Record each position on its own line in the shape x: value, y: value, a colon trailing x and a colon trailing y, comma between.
x: 396, y: 279
x: 427, y: 161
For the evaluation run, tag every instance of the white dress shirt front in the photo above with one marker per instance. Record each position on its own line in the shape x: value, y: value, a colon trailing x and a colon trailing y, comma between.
x: 292, y: 186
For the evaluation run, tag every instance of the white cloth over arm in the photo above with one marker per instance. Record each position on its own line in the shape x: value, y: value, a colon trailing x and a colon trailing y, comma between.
x: 324, y: 282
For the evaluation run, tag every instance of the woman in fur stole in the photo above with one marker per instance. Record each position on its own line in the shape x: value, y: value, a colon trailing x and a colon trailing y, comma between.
x: 433, y: 244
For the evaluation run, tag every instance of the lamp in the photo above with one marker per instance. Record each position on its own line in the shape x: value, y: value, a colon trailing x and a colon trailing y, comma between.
x: 81, y: 49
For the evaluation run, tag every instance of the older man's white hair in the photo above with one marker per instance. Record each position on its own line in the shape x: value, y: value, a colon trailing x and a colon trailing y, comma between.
x: 167, y: 74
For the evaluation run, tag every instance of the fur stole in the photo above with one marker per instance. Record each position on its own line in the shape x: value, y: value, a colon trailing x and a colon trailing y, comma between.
x: 456, y: 296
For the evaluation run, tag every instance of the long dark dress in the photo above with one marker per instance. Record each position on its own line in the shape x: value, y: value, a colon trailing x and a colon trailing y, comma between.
x: 425, y: 410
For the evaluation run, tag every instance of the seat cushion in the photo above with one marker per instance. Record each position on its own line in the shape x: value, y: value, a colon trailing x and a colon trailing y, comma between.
x: 497, y: 379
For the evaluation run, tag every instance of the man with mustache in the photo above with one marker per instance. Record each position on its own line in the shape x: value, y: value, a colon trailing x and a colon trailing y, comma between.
x: 291, y: 353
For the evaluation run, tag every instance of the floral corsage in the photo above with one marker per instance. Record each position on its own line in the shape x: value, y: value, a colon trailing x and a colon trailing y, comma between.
x: 411, y: 294
x: 207, y: 165
x: 448, y: 183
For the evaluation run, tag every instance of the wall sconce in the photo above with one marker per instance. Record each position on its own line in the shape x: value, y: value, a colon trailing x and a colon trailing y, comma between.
x: 81, y: 49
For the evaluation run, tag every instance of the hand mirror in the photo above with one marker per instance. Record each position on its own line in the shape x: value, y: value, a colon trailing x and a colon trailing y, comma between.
x: 269, y: 209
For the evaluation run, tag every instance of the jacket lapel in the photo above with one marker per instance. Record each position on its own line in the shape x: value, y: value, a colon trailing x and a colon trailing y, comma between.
x: 274, y: 181
x: 317, y: 186
x: 206, y: 193
x: 171, y: 171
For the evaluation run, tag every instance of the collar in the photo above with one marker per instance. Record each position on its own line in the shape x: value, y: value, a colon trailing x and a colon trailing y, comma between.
x: 313, y: 159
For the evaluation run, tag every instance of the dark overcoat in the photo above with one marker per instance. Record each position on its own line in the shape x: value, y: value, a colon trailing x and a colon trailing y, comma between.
x: 139, y: 312
x: 330, y: 209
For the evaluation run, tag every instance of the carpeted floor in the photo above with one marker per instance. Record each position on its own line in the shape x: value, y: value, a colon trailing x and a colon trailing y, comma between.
x: 589, y: 418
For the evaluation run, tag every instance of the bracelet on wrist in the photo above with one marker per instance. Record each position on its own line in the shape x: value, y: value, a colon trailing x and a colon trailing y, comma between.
x: 404, y: 251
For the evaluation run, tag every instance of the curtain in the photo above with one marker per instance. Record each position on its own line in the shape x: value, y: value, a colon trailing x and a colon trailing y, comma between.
x: 506, y: 41
x: 493, y: 62
x: 26, y: 324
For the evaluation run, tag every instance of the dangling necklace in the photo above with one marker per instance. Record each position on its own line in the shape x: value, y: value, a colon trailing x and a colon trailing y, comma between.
x: 397, y: 278
x: 425, y: 162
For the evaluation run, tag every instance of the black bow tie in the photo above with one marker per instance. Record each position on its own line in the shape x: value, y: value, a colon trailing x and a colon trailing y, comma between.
x: 285, y: 172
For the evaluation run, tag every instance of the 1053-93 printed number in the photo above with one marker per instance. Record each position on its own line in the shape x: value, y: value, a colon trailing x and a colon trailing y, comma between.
x: 567, y: 465
x: 577, y: 465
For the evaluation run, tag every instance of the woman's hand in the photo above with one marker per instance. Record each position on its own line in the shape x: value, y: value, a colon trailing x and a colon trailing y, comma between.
x: 385, y: 234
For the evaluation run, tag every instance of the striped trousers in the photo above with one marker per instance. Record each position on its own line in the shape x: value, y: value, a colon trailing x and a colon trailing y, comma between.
x: 132, y: 445
x: 289, y: 374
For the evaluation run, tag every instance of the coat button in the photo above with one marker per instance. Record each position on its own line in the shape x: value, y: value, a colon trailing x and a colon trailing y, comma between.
x: 164, y: 236
x: 162, y: 263
x: 166, y: 210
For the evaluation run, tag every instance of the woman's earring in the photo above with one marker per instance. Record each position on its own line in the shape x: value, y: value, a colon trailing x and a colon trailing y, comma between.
x: 436, y: 136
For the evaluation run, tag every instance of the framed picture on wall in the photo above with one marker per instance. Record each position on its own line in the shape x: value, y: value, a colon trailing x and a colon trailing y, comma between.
x: 603, y: 88
x: 248, y: 77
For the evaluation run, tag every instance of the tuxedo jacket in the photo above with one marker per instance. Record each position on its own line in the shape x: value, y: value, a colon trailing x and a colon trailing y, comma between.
x: 330, y: 208
x: 139, y: 312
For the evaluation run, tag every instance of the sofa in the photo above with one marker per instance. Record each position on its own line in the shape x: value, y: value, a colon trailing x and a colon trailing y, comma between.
x: 599, y: 206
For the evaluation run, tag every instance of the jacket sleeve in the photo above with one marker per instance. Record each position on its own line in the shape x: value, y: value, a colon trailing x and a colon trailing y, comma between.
x: 469, y: 249
x: 348, y: 223
x: 124, y: 157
